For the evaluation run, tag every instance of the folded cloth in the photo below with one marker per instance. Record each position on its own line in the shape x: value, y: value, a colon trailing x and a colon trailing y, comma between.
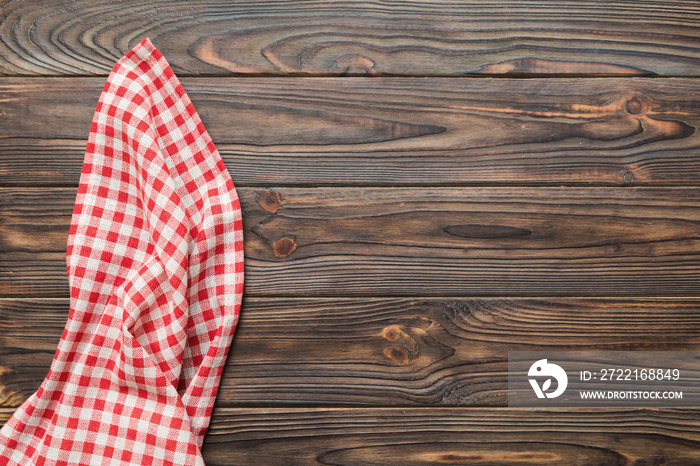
x: 155, y: 268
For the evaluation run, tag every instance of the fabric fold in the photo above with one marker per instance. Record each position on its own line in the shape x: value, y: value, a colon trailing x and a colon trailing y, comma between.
x: 155, y: 268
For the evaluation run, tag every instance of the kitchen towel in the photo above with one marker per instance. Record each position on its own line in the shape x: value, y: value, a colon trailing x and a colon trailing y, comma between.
x: 155, y: 269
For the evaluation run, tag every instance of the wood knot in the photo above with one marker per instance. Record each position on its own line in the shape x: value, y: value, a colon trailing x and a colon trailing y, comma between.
x: 628, y: 178
x: 634, y: 106
x: 391, y: 333
x: 408, y: 350
x: 353, y: 63
x: 284, y: 247
x: 486, y: 231
x: 458, y: 457
x: 398, y: 355
x: 269, y: 200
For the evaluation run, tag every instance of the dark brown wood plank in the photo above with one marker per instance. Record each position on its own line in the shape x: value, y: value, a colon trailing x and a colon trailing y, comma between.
x: 510, y: 37
x: 367, y: 436
x: 379, y: 351
x: 424, y: 436
x: 400, y: 241
x: 396, y: 131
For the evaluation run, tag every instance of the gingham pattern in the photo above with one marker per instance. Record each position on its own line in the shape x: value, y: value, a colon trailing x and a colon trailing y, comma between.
x: 155, y: 266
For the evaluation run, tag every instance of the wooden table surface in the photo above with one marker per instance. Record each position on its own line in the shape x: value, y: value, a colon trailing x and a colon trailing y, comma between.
x: 426, y: 186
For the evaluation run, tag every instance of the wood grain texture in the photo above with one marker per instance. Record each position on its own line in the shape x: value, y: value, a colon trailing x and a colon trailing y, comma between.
x: 398, y: 131
x: 452, y: 436
x: 394, y: 226
x: 399, y: 241
x: 430, y: 436
x: 379, y: 351
x: 523, y: 38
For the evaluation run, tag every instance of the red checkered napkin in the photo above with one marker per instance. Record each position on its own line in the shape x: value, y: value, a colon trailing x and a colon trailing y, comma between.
x: 155, y: 266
